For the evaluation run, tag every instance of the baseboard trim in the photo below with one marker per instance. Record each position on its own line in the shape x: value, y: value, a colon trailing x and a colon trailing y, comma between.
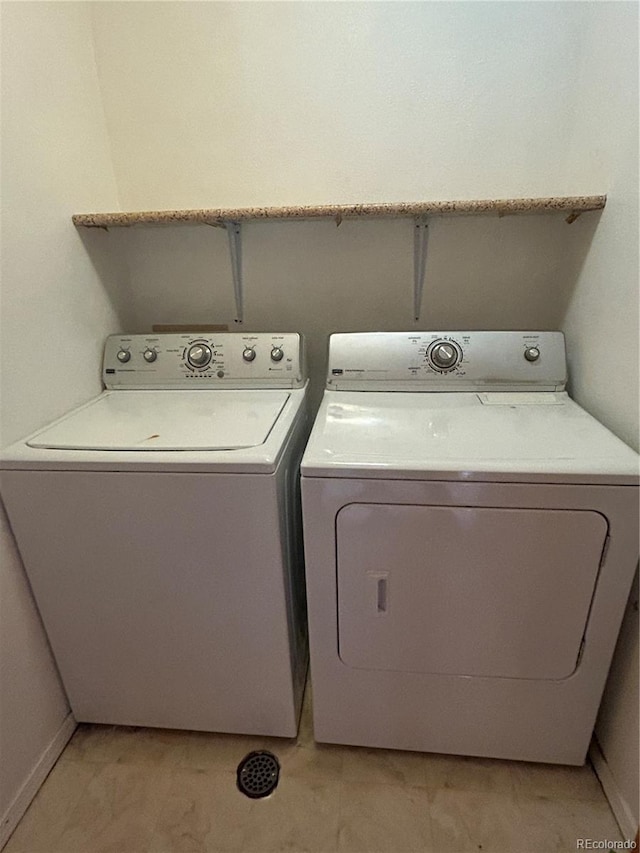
x: 27, y: 792
x: 619, y: 806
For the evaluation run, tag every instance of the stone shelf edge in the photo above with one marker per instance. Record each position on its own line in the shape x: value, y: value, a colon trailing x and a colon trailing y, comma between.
x: 573, y: 205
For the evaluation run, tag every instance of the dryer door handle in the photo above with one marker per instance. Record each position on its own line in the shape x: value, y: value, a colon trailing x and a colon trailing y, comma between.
x: 381, y: 582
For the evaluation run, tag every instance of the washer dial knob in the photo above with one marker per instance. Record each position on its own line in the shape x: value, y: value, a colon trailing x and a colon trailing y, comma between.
x: 444, y: 355
x: 124, y: 356
x: 199, y: 355
x: 248, y: 354
x: 277, y: 354
x: 150, y: 355
x: 532, y: 353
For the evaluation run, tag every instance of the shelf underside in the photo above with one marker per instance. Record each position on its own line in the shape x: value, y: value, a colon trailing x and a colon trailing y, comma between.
x: 571, y: 205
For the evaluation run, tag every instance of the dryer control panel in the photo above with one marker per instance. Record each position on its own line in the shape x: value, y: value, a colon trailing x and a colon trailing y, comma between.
x: 447, y: 361
x: 212, y: 360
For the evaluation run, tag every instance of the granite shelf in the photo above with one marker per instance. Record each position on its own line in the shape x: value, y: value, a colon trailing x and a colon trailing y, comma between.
x: 573, y: 206
x: 232, y: 219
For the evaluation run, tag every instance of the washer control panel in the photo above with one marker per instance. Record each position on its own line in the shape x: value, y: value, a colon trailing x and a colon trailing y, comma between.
x: 214, y: 360
x: 447, y: 361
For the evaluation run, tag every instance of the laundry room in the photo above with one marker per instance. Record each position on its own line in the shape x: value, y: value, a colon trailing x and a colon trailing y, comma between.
x: 220, y: 187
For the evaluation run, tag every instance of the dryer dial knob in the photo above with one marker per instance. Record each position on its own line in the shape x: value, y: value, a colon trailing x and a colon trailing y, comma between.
x: 532, y: 353
x: 199, y: 355
x: 277, y: 354
x: 248, y: 354
x: 150, y: 355
x: 124, y: 356
x: 444, y: 355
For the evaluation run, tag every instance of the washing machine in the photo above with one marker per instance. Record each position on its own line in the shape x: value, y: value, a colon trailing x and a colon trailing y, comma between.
x: 471, y: 535
x: 159, y: 526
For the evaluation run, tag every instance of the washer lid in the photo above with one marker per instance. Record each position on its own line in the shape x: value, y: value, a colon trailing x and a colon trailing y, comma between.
x: 530, y: 437
x: 167, y: 420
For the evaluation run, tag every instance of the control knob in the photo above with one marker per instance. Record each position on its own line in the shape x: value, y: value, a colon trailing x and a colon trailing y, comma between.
x: 277, y: 354
x: 444, y: 355
x: 199, y: 355
x: 248, y: 354
x: 532, y: 353
x: 124, y: 356
x: 150, y: 355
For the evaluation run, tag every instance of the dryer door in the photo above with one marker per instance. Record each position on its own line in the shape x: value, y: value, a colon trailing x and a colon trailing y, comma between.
x: 466, y: 590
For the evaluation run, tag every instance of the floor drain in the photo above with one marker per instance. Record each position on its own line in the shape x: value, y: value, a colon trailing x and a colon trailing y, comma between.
x: 258, y: 774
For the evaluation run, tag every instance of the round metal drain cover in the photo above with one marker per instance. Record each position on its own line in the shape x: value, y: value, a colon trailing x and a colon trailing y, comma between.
x: 258, y: 774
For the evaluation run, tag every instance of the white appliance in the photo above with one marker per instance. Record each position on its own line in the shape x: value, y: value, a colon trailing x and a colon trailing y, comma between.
x: 469, y: 553
x: 159, y: 527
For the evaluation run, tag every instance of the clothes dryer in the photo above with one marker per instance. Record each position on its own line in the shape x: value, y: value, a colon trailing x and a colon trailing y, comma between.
x: 159, y: 528
x: 471, y: 535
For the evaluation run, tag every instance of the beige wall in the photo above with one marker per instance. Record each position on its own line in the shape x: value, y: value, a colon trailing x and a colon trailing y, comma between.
x: 216, y: 104
x: 54, y: 314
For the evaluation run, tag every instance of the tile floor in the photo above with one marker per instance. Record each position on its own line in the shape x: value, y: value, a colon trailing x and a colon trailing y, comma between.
x: 118, y: 790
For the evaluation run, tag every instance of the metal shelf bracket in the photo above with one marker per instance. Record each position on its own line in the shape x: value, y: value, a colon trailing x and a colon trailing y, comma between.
x: 234, y: 233
x: 420, y: 242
